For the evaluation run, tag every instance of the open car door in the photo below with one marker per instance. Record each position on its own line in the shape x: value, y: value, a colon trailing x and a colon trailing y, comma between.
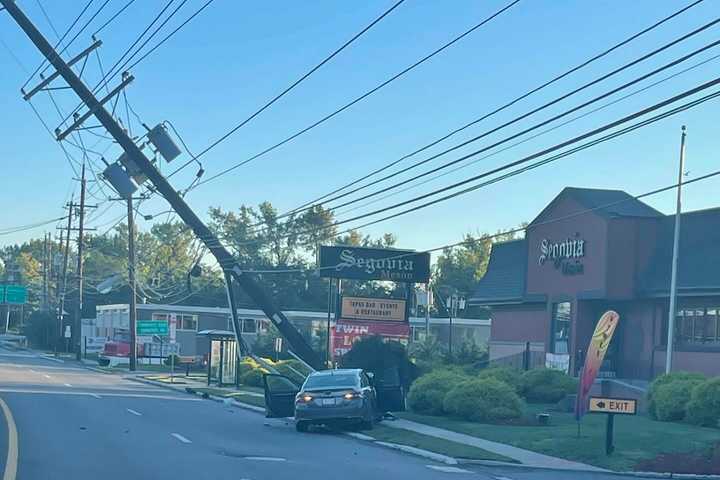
x: 280, y: 394
x: 390, y: 391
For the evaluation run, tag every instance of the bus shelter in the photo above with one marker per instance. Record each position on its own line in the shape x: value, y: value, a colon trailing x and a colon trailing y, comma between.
x: 222, y: 359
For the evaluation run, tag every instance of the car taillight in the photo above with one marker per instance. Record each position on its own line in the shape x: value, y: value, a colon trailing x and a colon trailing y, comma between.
x: 303, y: 398
x: 352, y: 395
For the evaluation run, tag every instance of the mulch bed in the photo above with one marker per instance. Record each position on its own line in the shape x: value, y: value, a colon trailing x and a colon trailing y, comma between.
x: 707, y: 462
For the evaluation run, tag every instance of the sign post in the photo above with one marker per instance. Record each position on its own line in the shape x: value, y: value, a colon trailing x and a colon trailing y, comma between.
x: 173, y: 334
x: 612, y: 407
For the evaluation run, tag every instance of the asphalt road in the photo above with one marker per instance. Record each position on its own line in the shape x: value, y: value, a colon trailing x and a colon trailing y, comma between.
x: 73, y: 423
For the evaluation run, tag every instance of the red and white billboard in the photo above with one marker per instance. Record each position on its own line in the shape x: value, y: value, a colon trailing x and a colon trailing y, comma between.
x: 346, y: 332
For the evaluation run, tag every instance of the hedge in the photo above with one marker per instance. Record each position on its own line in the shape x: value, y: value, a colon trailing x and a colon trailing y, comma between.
x: 545, y: 385
x: 671, y: 399
x: 665, y: 379
x: 704, y: 406
x: 483, y: 400
x: 509, y: 375
x: 427, y: 393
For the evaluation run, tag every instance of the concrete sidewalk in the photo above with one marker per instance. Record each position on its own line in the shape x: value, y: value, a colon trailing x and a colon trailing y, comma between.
x: 526, y: 457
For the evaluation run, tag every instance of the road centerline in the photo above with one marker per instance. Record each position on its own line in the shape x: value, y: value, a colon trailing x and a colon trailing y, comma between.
x: 134, y: 412
x: 181, y: 438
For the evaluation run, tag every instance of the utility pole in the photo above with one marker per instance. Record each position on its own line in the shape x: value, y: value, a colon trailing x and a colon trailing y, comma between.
x: 45, y: 273
x: 75, y: 332
x: 66, y: 260
x: 132, y: 283
x: 135, y: 156
x: 676, y: 245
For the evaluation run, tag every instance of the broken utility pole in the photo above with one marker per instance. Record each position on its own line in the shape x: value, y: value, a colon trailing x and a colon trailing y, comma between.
x: 135, y: 158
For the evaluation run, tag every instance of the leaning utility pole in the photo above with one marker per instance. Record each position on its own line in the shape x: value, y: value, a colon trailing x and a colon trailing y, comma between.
x: 132, y: 283
x: 75, y: 332
x: 676, y: 245
x: 136, y: 160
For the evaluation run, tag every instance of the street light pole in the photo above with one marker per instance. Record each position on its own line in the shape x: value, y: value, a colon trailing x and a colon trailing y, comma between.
x: 676, y: 244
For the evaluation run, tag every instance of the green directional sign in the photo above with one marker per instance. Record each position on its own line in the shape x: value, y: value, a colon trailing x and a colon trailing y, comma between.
x: 14, y: 294
x: 152, y: 327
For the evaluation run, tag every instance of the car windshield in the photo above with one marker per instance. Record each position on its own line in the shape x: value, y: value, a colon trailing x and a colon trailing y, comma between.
x: 346, y: 380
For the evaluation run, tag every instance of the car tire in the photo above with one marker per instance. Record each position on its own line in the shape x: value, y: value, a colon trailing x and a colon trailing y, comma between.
x: 301, y: 427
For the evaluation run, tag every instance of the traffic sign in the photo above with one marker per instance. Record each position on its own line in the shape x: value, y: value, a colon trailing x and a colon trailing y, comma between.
x: 16, y: 294
x: 152, y: 327
x: 621, y: 406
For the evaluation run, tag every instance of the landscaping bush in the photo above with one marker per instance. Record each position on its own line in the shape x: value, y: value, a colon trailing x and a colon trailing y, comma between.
x: 545, y: 385
x: 428, y: 392
x: 483, y: 400
x: 704, y: 406
x: 253, y: 378
x: 169, y: 360
x: 509, y: 375
x: 670, y: 399
x: 666, y: 379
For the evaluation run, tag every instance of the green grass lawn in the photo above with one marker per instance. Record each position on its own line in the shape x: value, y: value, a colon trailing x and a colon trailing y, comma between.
x: 636, y: 437
x: 437, y: 445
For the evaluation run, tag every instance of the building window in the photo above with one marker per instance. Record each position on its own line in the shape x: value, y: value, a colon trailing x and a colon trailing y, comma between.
x: 561, y: 318
x: 249, y: 325
x: 417, y: 333
x: 187, y: 322
x: 698, y: 326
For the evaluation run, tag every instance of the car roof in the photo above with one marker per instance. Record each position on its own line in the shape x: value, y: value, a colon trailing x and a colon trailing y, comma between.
x: 338, y: 371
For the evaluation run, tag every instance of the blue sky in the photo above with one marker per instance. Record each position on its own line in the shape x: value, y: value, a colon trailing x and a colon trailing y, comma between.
x: 236, y: 55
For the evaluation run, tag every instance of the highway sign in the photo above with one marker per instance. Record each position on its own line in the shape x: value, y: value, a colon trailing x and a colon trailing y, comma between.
x: 621, y: 406
x: 15, y: 294
x: 152, y: 327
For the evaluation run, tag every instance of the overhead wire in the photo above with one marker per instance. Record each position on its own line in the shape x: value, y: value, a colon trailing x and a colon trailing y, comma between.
x: 532, y: 137
x: 527, y: 114
x: 524, y: 131
x: 533, y: 156
x: 504, y: 106
x: 354, y: 101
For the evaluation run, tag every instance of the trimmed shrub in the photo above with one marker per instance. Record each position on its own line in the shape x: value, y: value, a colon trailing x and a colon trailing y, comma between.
x: 172, y: 358
x: 667, y: 379
x: 509, y: 375
x: 427, y: 393
x: 704, y: 405
x: 670, y: 399
x: 483, y: 400
x: 252, y: 378
x: 545, y: 385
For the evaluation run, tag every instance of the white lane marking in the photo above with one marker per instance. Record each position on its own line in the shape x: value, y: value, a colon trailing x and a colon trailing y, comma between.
x: 46, y: 375
x: 33, y: 371
x: 266, y: 459
x: 181, y: 438
x: 134, y: 412
x: 67, y: 384
x: 441, y: 468
x: 502, y: 478
x: 67, y: 392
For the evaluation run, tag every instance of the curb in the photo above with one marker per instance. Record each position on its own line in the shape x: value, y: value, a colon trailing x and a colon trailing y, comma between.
x: 435, y: 457
x: 189, y: 390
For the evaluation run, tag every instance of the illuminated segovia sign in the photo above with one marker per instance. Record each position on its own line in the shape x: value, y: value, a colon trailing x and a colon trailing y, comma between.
x: 564, y: 255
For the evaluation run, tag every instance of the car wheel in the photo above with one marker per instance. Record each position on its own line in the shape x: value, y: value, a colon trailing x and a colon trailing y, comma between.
x: 301, y: 426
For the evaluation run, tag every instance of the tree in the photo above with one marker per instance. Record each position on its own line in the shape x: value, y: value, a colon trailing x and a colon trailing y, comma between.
x: 458, y: 269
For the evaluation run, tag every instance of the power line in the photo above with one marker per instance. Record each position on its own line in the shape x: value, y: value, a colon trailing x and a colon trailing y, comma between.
x: 501, y: 108
x: 536, y: 155
x: 112, y: 18
x: 358, y: 99
x: 30, y: 226
x: 72, y: 25
x: 532, y: 137
x: 518, y: 134
x: 527, y: 114
x: 301, y: 79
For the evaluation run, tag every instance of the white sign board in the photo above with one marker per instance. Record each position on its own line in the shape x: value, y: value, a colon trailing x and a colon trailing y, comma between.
x: 558, y: 361
x: 94, y: 344
x: 68, y: 333
x: 173, y: 327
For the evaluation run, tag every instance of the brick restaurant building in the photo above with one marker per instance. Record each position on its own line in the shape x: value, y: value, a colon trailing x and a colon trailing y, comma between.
x: 593, y: 250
